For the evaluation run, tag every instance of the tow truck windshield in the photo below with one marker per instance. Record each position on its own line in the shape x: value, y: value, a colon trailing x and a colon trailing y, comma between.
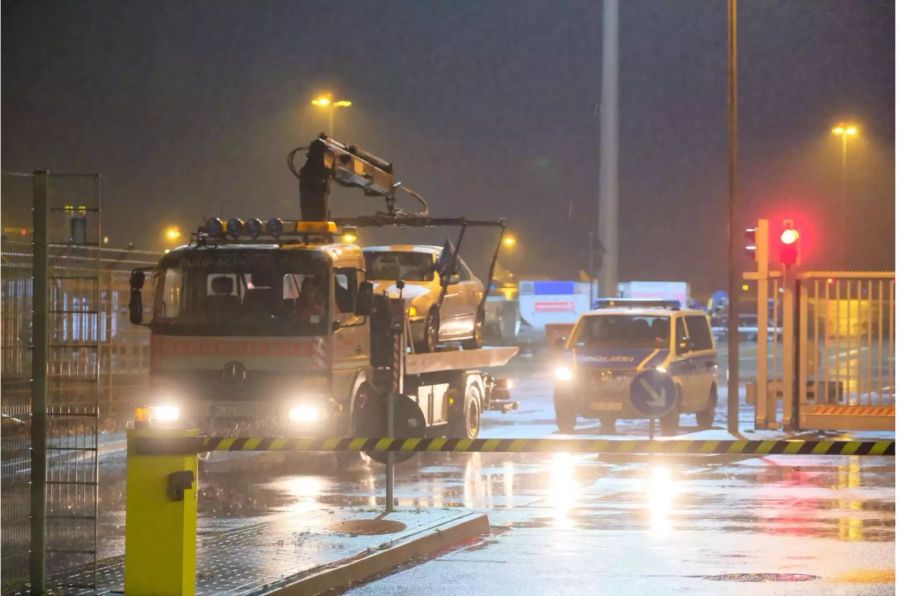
x: 408, y: 266
x: 621, y: 331
x: 243, y: 292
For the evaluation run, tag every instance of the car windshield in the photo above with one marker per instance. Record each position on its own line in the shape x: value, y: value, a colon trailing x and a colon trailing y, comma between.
x: 243, y: 292
x: 621, y: 331
x: 394, y: 265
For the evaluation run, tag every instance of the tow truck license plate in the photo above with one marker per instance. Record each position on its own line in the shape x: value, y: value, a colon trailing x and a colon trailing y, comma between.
x: 234, y: 410
x: 606, y: 406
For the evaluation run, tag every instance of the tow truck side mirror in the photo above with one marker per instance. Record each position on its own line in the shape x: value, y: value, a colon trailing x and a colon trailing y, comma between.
x: 454, y: 279
x: 136, y: 303
x: 364, y: 299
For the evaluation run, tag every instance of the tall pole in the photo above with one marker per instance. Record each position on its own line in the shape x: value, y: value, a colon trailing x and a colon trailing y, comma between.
x: 842, y: 210
x: 733, y: 358
x: 39, y: 340
x: 331, y: 120
x: 609, y: 149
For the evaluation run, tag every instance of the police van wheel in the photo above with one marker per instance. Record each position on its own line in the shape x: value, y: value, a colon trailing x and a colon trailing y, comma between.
x: 566, y: 417
x: 706, y: 416
x: 669, y: 423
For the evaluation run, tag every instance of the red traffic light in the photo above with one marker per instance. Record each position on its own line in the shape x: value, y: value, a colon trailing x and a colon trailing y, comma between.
x: 790, y: 236
x: 789, y: 252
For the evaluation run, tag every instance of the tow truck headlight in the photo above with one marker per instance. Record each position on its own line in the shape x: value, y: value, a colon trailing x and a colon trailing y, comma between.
x: 564, y: 373
x: 305, y: 413
x: 165, y: 413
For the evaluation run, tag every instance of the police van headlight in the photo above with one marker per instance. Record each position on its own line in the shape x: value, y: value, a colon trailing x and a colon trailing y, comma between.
x: 564, y: 373
x: 305, y: 413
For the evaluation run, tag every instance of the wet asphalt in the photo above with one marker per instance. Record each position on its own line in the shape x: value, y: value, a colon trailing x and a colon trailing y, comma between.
x: 582, y: 524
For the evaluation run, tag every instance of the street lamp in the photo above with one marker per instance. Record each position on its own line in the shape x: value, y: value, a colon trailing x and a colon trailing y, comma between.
x: 509, y: 241
x: 845, y: 132
x: 327, y: 102
x: 172, y: 234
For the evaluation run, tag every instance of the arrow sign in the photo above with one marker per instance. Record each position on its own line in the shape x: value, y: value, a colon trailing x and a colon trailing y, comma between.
x: 652, y: 393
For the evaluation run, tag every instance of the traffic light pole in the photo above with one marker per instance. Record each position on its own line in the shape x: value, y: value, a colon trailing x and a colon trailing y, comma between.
x: 733, y: 231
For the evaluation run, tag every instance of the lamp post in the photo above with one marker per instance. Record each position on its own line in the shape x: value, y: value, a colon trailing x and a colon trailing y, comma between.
x: 845, y: 132
x: 327, y: 102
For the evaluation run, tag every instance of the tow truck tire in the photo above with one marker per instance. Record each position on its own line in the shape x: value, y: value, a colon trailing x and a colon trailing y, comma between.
x: 477, y: 341
x: 707, y: 415
x: 431, y: 333
x: 566, y: 417
x: 465, y: 423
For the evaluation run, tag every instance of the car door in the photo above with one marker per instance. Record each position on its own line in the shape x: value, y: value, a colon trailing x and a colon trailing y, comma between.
x: 472, y: 293
x: 453, y: 307
x: 702, y: 358
x: 680, y: 366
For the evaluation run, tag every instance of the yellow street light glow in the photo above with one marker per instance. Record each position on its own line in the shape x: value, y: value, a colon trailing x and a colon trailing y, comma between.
x: 173, y: 233
x: 509, y: 240
x: 348, y: 238
x: 322, y: 102
x: 845, y: 130
x: 343, y: 104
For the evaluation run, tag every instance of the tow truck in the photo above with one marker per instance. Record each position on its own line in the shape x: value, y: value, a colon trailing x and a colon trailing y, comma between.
x: 268, y: 327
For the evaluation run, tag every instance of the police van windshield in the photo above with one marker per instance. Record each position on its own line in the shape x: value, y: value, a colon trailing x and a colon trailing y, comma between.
x: 252, y: 292
x: 621, y: 331
x: 394, y: 265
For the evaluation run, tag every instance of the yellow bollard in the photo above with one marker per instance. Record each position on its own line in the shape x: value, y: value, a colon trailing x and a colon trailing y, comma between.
x: 160, y: 527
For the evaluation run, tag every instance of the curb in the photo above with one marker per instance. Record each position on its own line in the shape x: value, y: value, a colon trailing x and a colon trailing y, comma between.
x: 366, y: 565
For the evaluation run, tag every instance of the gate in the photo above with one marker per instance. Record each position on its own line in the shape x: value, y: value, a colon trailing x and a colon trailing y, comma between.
x: 845, y: 359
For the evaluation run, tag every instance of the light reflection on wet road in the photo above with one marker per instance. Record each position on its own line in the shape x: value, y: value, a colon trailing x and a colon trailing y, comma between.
x: 827, y: 517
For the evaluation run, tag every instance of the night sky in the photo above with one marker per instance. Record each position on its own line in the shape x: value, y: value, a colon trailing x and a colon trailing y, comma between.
x: 488, y: 108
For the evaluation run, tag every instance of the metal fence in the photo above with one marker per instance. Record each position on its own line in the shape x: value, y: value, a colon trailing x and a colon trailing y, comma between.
x: 93, y: 358
x: 846, y: 353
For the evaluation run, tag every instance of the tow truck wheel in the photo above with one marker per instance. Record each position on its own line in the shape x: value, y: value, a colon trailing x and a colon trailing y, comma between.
x: 431, y: 333
x: 466, y: 423
x: 477, y: 341
x: 565, y: 417
x: 706, y: 416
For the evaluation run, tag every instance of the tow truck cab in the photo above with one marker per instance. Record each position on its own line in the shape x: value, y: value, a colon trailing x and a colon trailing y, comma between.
x: 249, y: 333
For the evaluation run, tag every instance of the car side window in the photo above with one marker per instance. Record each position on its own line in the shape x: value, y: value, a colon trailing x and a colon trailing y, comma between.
x: 682, y: 340
x: 463, y: 271
x: 698, y: 331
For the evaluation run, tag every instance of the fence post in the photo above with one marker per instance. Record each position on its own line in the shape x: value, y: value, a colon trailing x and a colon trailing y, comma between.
x: 790, y: 339
x: 39, y: 345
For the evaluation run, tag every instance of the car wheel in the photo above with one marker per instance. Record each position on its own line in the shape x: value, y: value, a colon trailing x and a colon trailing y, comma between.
x: 466, y: 423
x: 431, y: 333
x: 477, y: 340
x: 706, y: 416
x: 566, y: 417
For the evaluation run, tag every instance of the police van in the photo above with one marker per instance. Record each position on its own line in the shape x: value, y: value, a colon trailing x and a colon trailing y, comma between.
x: 611, y: 344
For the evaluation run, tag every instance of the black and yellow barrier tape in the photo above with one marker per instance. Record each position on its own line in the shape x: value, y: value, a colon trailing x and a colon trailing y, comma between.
x: 181, y: 445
